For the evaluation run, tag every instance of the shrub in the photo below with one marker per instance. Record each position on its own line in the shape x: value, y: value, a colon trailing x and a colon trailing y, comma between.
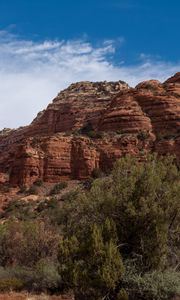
x: 9, y: 284
x: 94, y: 134
x: 25, y: 243
x: 130, y: 218
x: 70, y: 197
x: 122, y: 295
x: 50, y: 210
x: 87, y: 184
x: 32, y: 190
x: 97, y: 173
x: 22, y: 190
x: 38, y: 182
x: 93, y: 266
x: 155, y: 285
x: 136, y: 196
x: 76, y: 132
x: 58, y: 187
x: 119, y: 132
x: 19, y: 209
x: 90, y: 132
x: 46, y: 276
x: 86, y: 129
x: 42, y: 277
x: 143, y: 135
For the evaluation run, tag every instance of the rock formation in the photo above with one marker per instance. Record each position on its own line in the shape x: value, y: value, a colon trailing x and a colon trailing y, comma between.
x: 90, y: 125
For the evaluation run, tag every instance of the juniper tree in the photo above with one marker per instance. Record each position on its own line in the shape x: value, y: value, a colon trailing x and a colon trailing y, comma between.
x: 93, y: 267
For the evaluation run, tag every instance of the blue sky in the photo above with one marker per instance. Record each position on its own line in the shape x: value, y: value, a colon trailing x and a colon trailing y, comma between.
x: 47, y: 44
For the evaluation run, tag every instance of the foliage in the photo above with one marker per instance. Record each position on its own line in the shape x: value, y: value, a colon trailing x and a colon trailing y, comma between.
x: 118, y: 239
x: 19, y: 209
x: 156, y: 285
x: 143, y: 200
x: 48, y: 210
x: 58, y: 187
x: 41, y: 277
x: 122, y: 295
x: 10, y: 284
x: 38, y: 182
x: 26, y: 243
x: 93, y: 266
x: 46, y: 276
x: 94, y: 134
x: 32, y: 190
x: 97, y: 173
x: 143, y: 135
x: 90, y: 132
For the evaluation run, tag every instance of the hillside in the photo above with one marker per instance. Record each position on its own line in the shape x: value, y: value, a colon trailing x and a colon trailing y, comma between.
x: 78, y: 216
x: 89, y: 126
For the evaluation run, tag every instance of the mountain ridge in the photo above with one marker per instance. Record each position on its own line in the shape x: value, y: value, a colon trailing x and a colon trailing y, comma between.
x: 88, y: 126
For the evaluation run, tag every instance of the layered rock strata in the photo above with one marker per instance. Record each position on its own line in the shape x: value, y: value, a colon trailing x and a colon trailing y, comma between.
x: 90, y: 125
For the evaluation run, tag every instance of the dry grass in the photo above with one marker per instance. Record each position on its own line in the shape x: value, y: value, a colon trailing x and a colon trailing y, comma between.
x: 24, y: 296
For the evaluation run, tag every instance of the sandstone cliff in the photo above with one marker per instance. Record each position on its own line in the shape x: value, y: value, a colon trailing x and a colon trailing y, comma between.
x: 90, y: 125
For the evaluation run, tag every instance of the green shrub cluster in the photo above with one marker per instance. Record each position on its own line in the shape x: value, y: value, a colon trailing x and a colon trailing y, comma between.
x: 142, y: 200
x: 8, y: 284
x: 90, y: 132
x: 97, y: 173
x: 93, y: 266
x: 43, y: 277
x: 38, y: 182
x: 28, y: 256
x: 48, y: 210
x: 158, y: 284
x: 143, y: 135
x: 58, y: 187
x: 117, y: 240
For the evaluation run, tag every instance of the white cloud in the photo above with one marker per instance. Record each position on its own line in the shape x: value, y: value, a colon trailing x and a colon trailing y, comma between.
x: 32, y: 73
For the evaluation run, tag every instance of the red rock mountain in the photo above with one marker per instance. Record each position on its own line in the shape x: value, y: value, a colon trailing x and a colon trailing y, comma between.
x: 90, y: 125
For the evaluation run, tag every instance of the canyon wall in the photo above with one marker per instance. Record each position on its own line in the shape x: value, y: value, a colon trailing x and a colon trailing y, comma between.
x: 90, y: 125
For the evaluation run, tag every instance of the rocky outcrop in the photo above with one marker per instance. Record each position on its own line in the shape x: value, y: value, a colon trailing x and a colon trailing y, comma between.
x: 74, y: 107
x: 90, y: 125
x: 61, y: 157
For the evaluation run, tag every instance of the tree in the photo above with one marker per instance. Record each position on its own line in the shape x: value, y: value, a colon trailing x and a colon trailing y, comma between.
x: 142, y: 198
x: 93, y: 267
x: 147, y: 207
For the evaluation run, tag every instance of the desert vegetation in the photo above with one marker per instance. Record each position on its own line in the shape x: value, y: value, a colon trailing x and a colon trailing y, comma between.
x: 118, y: 240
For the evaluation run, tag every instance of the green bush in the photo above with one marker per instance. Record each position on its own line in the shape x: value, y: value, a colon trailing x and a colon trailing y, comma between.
x: 58, y: 187
x: 46, y: 276
x: 93, y: 266
x: 42, y: 277
x: 130, y: 218
x: 90, y: 132
x: 50, y: 211
x: 157, y: 285
x: 97, y: 173
x: 143, y: 135
x: 25, y: 243
x: 20, y: 274
x: 122, y: 295
x: 9, y: 284
x: 94, y: 134
x: 22, y: 190
x: 19, y: 209
x: 32, y: 190
x: 38, y: 182
x: 142, y: 199
x: 86, y: 129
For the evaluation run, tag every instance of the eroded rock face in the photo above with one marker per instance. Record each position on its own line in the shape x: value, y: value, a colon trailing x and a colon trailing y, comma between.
x: 81, y: 103
x: 58, y: 144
